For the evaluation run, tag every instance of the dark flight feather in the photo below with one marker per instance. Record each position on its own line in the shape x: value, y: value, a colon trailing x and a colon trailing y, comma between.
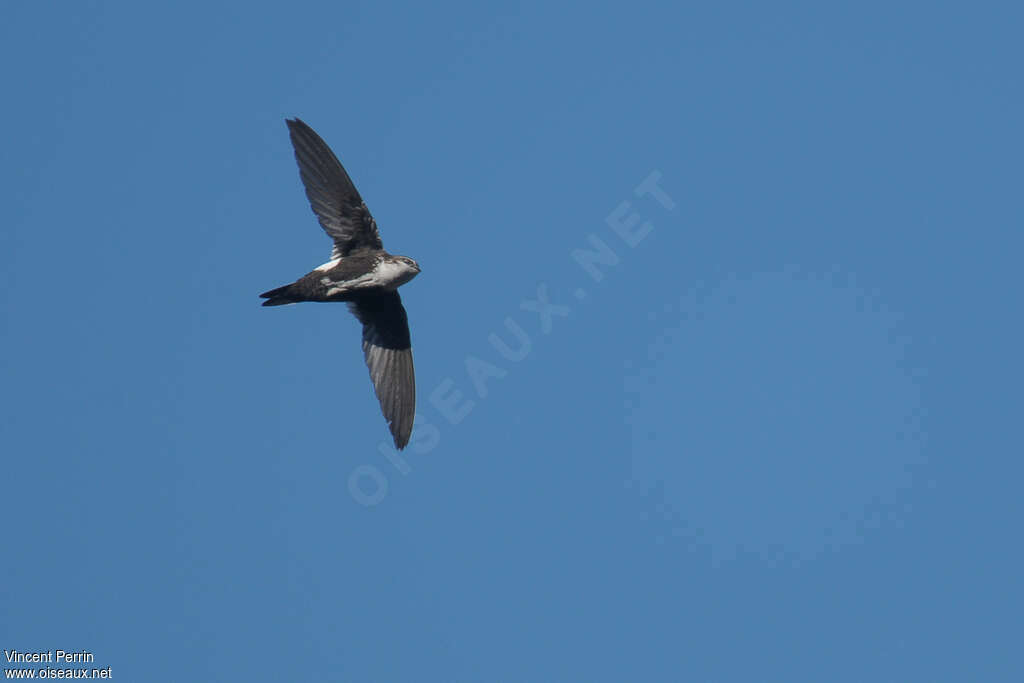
x: 388, y: 352
x: 342, y: 213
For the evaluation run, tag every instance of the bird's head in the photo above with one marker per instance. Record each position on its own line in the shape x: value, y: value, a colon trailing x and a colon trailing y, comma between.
x: 406, y: 268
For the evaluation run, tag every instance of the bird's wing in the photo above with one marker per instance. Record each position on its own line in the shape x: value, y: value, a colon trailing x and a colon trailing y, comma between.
x: 335, y: 200
x: 388, y: 353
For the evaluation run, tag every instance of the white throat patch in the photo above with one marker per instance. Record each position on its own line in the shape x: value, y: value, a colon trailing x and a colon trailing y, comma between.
x: 391, y: 274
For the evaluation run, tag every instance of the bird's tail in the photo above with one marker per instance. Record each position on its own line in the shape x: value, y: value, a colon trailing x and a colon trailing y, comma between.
x: 278, y: 297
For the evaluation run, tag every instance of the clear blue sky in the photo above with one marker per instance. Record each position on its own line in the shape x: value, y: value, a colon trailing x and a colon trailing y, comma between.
x: 779, y: 439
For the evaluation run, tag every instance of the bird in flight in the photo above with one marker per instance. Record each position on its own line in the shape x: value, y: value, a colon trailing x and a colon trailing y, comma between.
x: 359, y: 273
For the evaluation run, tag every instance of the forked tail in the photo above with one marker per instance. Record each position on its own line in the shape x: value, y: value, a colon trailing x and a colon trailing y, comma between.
x: 278, y: 297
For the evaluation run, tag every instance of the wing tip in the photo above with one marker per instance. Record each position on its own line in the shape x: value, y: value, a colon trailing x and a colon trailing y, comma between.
x: 401, y: 440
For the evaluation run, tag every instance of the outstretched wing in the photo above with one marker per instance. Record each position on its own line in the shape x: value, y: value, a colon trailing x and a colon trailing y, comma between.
x: 388, y: 353
x: 335, y: 200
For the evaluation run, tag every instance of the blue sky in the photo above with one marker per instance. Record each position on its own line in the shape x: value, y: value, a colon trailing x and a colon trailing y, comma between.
x: 771, y: 436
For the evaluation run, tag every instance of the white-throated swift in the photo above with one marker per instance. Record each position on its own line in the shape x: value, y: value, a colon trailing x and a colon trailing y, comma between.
x: 359, y: 273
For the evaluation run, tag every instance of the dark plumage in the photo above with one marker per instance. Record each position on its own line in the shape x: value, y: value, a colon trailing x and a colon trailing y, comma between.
x: 360, y: 273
